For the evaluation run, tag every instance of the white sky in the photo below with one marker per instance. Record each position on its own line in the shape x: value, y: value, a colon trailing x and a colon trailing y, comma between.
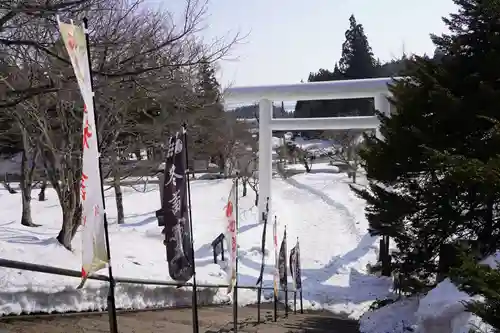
x: 287, y: 39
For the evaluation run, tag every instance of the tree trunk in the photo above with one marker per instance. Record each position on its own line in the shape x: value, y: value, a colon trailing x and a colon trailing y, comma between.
x: 306, y: 165
x: 26, y: 186
x: 72, y: 219
x: 137, y: 154
x: 486, y: 237
x: 26, y: 218
x: 41, y: 194
x: 119, y: 197
x: 244, y: 187
x: 115, y: 170
x: 65, y: 235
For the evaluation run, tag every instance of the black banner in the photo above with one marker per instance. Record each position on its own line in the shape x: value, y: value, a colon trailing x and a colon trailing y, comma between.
x: 295, y: 267
x: 176, y: 212
x: 263, y: 244
x: 282, y: 264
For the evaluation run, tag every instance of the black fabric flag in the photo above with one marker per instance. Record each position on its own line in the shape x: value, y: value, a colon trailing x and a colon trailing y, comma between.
x: 295, y: 267
x: 282, y: 264
x: 176, y: 212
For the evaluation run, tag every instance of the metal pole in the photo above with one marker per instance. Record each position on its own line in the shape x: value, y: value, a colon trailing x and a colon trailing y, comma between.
x: 295, y: 302
x: 301, y: 306
x: 259, y: 295
x: 276, y: 275
x: 194, y: 302
x: 286, y: 276
x: 235, y: 292
x: 275, y: 303
x: 264, y: 217
x: 113, y: 323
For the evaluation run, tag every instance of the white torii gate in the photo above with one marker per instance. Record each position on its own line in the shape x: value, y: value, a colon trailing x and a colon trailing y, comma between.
x: 265, y: 95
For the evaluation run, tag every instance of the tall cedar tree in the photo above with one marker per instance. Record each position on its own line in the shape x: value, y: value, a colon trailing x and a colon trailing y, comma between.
x: 414, y: 197
x: 357, y: 62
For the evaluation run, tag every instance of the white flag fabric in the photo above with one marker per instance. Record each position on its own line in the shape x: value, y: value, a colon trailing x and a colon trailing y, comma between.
x: 94, y: 252
x: 230, y: 236
x: 276, y: 257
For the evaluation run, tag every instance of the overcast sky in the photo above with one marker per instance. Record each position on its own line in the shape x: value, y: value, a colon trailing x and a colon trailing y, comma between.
x: 287, y: 39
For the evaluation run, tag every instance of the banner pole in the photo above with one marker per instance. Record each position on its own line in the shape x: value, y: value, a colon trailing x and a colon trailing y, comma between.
x: 235, y: 291
x: 194, y: 302
x: 113, y: 323
x: 265, y: 216
x: 276, y: 275
x: 295, y: 302
x: 300, y: 269
x: 286, y: 276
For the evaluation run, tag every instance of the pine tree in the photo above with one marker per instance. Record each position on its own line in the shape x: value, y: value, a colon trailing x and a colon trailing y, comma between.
x: 357, y: 62
x: 444, y: 114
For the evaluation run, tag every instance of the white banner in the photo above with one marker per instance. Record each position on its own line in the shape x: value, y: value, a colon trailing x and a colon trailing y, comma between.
x: 94, y: 253
x: 276, y: 257
x: 230, y: 236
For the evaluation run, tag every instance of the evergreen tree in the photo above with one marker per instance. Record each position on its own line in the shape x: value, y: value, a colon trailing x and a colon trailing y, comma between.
x: 416, y: 195
x: 471, y: 277
x: 357, y: 60
x: 210, y: 128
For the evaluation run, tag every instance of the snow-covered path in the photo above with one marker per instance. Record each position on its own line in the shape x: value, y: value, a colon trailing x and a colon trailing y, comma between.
x: 337, y: 249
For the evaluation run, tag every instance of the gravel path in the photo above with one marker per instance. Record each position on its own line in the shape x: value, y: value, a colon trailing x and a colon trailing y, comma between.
x: 212, y: 320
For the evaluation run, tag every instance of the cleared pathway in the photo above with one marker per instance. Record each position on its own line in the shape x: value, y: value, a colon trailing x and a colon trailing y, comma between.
x: 212, y: 320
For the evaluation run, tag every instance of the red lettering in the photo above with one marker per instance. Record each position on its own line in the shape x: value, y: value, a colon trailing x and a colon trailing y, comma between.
x: 83, y: 187
x: 84, y: 220
x: 71, y: 41
x: 84, y: 108
x: 229, y: 209
x: 233, y: 244
x: 232, y: 226
x: 86, y: 135
x: 96, y: 210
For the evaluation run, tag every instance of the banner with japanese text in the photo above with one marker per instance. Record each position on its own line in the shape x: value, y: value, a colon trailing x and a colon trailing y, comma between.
x: 178, y: 238
x: 295, y: 267
x: 282, y: 263
x: 94, y: 252
x: 230, y: 236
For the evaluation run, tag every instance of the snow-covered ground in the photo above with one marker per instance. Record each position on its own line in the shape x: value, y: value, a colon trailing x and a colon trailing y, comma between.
x: 319, y: 208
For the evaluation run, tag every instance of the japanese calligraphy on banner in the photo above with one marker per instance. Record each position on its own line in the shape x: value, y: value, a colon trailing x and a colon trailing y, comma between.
x: 178, y: 238
x: 295, y: 267
x: 94, y: 253
x: 230, y: 237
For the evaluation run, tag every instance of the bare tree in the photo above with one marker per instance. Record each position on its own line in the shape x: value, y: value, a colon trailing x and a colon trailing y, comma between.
x: 349, y: 143
x: 142, y: 67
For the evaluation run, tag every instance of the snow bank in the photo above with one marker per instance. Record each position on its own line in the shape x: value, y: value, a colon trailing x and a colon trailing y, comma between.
x: 442, y: 310
x: 392, y: 318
